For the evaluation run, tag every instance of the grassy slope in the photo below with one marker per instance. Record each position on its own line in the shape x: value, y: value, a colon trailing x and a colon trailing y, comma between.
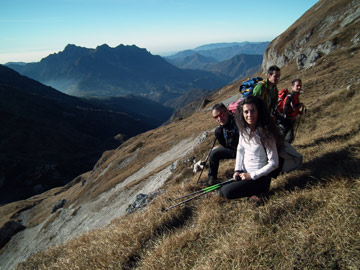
x: 310, y: 221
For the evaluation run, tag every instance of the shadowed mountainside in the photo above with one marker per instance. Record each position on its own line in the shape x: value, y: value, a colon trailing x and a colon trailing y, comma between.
x: 309, y: 221
x: 48, y: 138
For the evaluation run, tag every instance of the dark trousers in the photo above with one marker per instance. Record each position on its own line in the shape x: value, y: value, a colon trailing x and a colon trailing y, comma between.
x: 246, y: 188
x: 216, y: 155
x: 286, y: 127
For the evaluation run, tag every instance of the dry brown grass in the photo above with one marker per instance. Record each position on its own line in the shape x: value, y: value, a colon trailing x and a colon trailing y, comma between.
x: 307, y: 229
x: 309, y: 221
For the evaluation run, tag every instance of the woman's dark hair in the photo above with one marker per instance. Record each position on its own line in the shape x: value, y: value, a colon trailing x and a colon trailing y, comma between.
x: 265, y: 125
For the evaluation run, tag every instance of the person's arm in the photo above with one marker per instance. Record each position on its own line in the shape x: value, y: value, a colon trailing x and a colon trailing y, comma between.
x: 272, y: 164
x: 274, y: 100
x: 239, y: 159
x: 219, y: 134
x: 288, y: 103
x: 302, y: 109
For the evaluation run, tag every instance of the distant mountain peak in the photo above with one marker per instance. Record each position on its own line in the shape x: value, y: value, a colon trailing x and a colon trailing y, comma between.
x: 103, y: 46
x: 72, y: 47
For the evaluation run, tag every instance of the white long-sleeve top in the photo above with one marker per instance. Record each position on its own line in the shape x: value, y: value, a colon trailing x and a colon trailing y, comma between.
x: 251, y: 156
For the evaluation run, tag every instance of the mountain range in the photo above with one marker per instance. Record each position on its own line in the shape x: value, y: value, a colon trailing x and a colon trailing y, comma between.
x: 223, y: 51
x: 113, y: 72
x: 234, y: 60
x: 106, y: 71
x: 235, y: 68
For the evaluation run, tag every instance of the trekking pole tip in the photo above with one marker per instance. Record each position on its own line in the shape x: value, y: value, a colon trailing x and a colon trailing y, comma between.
x: 163, y: 209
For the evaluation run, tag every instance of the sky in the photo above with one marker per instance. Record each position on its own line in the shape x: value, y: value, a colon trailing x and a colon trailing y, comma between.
x: 33, y: 29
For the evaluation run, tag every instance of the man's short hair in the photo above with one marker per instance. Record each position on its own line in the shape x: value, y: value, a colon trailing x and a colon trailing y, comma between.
x: 219, y: 106
x: 272, y: 69
x: 294, y: 81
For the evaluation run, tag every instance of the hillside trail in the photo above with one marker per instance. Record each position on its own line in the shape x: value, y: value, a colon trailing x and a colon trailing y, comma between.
x: 75, y: 221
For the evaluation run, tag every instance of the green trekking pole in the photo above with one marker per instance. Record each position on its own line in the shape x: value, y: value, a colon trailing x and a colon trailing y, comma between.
x: 206, y: 159
x: 197, y: 194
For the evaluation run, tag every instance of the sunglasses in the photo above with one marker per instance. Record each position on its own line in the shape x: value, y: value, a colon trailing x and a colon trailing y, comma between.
x: 219, y: 115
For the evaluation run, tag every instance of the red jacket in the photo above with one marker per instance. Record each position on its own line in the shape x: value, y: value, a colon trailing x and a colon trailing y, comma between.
x: 288, y: 104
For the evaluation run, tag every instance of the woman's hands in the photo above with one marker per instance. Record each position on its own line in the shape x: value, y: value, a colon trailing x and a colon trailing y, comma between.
x: 241, y: 176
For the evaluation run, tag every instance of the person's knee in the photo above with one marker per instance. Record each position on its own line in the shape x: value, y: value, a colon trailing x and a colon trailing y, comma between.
x: 228, y: 193
x: 215, y: 154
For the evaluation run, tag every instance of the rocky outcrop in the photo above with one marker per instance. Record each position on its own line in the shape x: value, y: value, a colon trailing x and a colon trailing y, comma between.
x: 328, y: 26
x: 58, y: 205
x: 141, y: 200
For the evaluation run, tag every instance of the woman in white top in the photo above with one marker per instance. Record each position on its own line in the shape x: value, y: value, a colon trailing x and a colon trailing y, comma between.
x: 256, y: 155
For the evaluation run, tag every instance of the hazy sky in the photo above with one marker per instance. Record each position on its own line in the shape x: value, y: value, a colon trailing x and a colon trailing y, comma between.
x: 33, y: 29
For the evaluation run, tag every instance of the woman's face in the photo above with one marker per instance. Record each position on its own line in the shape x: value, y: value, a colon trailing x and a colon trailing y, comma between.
x: 250, y: 114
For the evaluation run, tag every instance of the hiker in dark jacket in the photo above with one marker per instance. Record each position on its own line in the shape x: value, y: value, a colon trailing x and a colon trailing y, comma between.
x: 227, y: 135
x: 268, y: 90
x: 288, y: 109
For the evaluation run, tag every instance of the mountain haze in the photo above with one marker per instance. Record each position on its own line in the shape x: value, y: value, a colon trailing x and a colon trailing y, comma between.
x: 224, y: 51
x: 237, y: 67
x: 193, y: 61
x: 233, y: 60
x: 310, y: 220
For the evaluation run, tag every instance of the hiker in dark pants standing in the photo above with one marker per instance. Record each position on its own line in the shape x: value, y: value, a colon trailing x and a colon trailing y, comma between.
x: 268, y: 90
x: 227, y: 135
x: 256, y: 155
x: 288, y: 108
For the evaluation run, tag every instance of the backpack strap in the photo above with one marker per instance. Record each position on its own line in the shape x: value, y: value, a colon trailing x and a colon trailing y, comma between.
x: 235, y: 128
x: 265, y: 89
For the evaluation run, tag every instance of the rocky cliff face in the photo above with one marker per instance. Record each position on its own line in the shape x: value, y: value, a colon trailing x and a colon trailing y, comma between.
x: 327, y: 26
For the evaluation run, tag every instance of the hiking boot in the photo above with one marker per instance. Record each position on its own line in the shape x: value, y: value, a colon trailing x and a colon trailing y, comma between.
x: 209, y: 182
x: 213, y: 180
x: 257, y: 200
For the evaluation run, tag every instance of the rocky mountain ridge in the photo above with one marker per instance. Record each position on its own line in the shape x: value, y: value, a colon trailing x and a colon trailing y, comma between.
x: 306, y: 43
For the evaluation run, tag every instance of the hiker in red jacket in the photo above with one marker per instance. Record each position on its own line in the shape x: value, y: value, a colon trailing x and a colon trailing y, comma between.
x: 288, y: 108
